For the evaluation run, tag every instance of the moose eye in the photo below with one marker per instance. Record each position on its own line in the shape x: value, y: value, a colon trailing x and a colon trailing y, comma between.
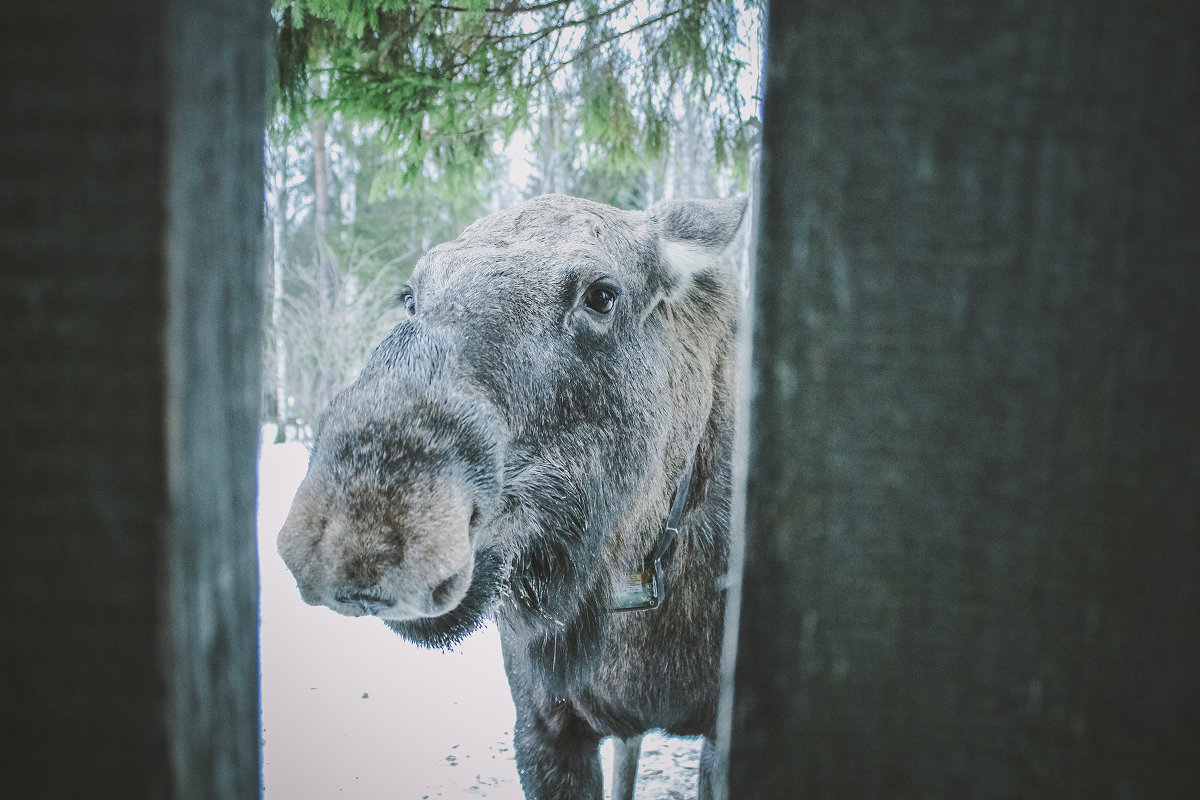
x: 600, y: 298
x: 410, y: 305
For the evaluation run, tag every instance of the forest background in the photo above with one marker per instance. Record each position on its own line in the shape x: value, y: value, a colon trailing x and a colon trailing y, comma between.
x: 397, y: 124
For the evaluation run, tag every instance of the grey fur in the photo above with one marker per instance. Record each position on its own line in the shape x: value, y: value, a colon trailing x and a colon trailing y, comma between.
x: 511, y: 450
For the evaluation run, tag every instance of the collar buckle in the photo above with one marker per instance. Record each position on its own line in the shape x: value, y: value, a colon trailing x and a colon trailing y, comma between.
x: 645, y: 589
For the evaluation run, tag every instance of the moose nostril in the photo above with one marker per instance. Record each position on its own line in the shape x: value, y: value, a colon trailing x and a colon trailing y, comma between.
x: 366, y: 602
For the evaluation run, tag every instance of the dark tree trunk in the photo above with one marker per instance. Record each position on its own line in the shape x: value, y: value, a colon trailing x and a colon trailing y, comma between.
x: 973, y: 492
x: 130, y: 240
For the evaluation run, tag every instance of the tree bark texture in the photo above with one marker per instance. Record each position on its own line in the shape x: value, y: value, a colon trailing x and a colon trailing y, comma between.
x: 130, y: 233
x: 972, y: 504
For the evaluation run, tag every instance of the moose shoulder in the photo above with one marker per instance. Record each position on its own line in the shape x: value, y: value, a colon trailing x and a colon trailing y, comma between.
x: 560, y: 396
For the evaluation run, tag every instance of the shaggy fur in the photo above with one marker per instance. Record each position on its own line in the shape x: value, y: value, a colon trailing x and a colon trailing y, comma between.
x: 513, y: 449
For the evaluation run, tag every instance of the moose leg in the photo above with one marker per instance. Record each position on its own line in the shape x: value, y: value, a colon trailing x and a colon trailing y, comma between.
x: 707, y: 754
x: 625, y: 764
x: 558, y: 755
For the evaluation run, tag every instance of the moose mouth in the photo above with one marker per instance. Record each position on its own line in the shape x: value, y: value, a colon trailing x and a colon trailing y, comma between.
x: 374, y: 602
x: 488, y: 579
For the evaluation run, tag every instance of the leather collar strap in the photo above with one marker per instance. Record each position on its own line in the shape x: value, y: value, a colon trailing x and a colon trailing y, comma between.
x: 645, y: 589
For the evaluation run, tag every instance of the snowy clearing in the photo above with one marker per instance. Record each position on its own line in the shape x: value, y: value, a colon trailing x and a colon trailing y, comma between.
x: 352, y: 710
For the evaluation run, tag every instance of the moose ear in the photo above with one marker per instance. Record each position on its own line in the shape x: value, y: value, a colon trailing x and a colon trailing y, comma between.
x: 693, y: 234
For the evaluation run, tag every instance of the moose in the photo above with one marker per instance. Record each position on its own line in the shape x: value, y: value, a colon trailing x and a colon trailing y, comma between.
x: 545, y: 440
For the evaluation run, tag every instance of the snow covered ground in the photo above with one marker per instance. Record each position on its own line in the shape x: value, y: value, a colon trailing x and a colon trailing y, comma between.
x: 352, y: 710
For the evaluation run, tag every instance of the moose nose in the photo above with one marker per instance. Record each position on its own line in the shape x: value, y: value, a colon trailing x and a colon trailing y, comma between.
x: 366, y: 602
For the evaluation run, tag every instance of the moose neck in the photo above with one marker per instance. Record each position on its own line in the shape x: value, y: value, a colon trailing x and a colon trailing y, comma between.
x: 645, y: 586
x: 698, y: 507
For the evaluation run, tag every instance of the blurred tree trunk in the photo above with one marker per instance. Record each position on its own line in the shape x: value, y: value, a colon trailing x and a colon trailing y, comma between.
x: 972, y: 505
x: 320, y: 137
x: 131, y: 145
x: 327, y: 279
x: 549, y: 162
x: 278, y: 210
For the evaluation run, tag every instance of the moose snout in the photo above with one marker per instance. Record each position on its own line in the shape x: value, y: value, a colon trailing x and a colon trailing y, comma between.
x: 406, y: 557
x: 386, y: 520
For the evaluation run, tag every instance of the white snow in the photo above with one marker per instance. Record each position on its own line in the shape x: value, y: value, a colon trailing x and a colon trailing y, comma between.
x: 352, y: 710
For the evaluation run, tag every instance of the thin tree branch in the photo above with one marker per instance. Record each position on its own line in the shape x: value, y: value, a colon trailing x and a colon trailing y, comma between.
x: 542, y: 33
x: 608, y: 40
x: 509, y: 11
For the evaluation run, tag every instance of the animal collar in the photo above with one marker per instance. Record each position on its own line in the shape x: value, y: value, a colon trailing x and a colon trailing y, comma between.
x: 645, y: 589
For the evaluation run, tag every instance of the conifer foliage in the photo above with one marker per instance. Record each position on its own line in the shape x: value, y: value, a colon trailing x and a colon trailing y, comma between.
x: 396, y: 121
x: 445, y: 78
